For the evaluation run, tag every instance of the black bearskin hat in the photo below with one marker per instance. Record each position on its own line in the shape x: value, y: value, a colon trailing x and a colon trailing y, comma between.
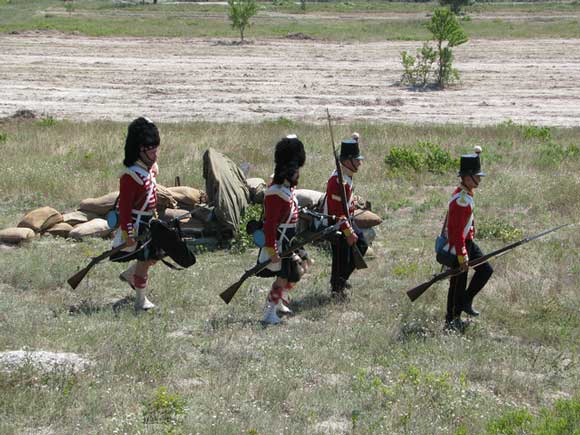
x: 289, y: 156
x: 141, y: 132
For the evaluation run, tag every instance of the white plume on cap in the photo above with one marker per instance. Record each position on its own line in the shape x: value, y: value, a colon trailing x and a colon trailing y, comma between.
x: 477, y: 149
x: 291, y: 136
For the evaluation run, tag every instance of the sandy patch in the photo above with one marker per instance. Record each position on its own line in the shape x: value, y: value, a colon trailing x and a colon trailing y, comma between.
x: 43, y: 361
x: 77, y: 77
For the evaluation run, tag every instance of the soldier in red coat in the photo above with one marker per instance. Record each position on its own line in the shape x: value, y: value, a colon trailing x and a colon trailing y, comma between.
x: 342, y: 258
x: 137, y: 206
x: 460, y: 234
x: 280, y: 219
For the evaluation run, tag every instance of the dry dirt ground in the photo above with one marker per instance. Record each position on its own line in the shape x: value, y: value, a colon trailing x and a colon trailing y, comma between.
x: 77, y: 77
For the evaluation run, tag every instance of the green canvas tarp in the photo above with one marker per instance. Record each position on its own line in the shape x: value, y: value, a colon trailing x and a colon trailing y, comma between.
x: 226, y: 188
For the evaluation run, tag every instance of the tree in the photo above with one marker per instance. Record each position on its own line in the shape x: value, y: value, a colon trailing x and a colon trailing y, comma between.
x: 447, y: 33
x: 240, y: 13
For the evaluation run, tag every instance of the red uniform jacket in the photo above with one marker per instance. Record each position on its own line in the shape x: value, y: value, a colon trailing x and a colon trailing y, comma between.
x: 460, y: 221
x: 280, y: 208
x: 137, y: 194
x: 333, y: 203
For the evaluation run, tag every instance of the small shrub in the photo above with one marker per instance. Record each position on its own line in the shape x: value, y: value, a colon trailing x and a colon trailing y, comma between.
x: 497, y: 229
x: 423, y: 156
x: 403, y: 158
x: 511, y: 423
x: 552, y: 154
x: 447, y: 33
x: 244, y: 241
x: 402, y: 270
x: 562, y: 419
x: 3, y: 137
x: 163, y: 407
x: 419, y: 68
x: 282, y: 122
x: 533, y: 132
x: 240, y: 12
x: 437, y: 160
x: 47, y: 121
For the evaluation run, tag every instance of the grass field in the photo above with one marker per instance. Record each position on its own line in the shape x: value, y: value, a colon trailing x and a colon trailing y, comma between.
x: 375, y: 365
x: 367, y: 21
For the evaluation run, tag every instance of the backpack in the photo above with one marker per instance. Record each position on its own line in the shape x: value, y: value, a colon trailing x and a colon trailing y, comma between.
x: 170, y: 240
x: 443, y: 256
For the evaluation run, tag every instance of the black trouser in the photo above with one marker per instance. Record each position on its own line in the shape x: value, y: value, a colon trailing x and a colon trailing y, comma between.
x: 458, y: 296
x: 342, y: 261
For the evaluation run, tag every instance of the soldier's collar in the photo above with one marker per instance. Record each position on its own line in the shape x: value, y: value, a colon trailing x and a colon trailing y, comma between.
x: 466, y: 189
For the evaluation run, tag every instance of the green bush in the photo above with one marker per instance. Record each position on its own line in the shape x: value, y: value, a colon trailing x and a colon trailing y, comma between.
x: 562, y: 419
x: 447, y: 33
x: 163, y: 407
x: 3, y: 137
x: 240, y: 12
x: 418, y: 69
x: 511, y: 423
x: 47, y: 121
x: 496, y: 229
x: 244, y: 241
x: 550, y: 154
x: 533, y: 132
x: 423, y: 156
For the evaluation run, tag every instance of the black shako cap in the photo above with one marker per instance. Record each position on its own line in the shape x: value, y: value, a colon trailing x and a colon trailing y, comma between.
x: 470, y: 165
x: 349, y: 149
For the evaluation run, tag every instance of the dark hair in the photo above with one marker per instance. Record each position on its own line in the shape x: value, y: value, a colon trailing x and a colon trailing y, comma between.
x: 141, y: 132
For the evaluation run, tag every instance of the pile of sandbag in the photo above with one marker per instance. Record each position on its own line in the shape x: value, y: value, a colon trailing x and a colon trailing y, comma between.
x: 90, y: 218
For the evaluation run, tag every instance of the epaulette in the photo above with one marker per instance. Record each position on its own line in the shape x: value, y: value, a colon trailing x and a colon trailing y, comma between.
x: 281, y: 191
x: 133, y: 175
x: 464, y: 199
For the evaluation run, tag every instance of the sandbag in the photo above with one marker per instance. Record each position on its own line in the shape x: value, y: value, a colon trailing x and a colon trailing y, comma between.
x: 366, y: 219
x: 61, y: 229
x: 165, y: 198
x: 187, y: 195
x: 227, y: 191
x: 16, y: 235
x: 100, y: 205
x: 308, y: 198
x: 40, y: 219
x: 94, y: 228
x: 257, y: 188
x: 173, y: 213
x: 77, y: 217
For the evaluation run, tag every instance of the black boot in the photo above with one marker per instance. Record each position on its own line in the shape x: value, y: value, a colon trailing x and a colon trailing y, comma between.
x: 469, y: 310
x: 338, y: 292
x: 455, y: 325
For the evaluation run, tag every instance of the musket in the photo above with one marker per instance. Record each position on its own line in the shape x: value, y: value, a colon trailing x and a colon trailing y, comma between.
x: 76, y: 279
x: 229, y: 293
x: 415, y: 292
x: 358, y: 260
